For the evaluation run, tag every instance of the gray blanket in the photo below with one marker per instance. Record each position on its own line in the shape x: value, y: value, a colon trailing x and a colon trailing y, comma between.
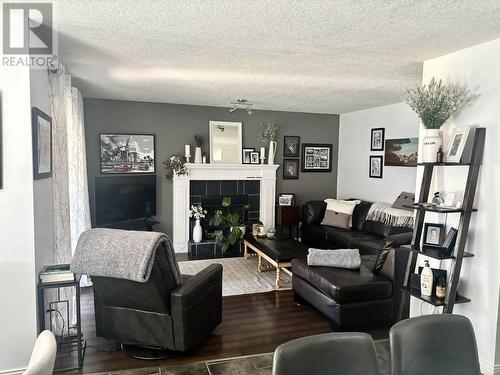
x: 123, y: 254
x: 340, y: 258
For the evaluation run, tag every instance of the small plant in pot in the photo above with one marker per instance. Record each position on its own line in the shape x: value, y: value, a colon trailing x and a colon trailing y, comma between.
x: 175, y: 166
x: 435, y: 103
x: 231, y: 227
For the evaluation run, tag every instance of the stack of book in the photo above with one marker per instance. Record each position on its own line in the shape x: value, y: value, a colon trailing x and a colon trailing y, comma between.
x: 56, y: 273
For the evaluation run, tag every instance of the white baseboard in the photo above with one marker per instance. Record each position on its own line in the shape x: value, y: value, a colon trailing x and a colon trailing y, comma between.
x: 13, y: 371
x: 489, y: 369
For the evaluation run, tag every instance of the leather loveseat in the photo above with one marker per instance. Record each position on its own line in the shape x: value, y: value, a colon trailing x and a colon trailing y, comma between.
x: 352, y: 297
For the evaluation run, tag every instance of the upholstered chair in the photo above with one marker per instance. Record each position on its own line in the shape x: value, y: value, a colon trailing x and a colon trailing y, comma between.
x: 327, y: 354
x: 434, y: 345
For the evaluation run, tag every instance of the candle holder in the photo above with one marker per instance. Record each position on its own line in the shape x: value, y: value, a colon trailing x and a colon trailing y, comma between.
x: 262, y: 158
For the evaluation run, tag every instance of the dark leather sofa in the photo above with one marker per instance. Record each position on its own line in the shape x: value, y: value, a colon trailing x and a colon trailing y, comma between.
x: 366, y: 235
x: 351, y: 297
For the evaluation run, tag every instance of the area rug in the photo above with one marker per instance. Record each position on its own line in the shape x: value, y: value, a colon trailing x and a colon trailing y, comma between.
x: 259, y: 364
x: 239, y: 276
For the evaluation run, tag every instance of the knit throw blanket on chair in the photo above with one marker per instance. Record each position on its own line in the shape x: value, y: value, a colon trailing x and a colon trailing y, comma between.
x: 395, y: 217
x: 123, y: 254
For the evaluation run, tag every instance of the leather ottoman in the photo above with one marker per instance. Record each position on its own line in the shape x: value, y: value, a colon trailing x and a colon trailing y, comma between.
x: 345, y: 297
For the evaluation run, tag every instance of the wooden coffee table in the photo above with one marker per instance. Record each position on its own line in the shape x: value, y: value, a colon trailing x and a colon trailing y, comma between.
x: 278, y: 254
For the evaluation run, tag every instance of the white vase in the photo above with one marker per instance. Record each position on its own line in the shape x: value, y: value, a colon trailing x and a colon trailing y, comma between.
x: 426, y: 280
x: 432, y: 142
x: 272, y: 152
x: 243, y: 229
x: 197, y: 155
x: 197, y: 232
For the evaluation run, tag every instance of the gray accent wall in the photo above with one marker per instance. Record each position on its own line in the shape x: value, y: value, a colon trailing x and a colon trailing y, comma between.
x: 174, y: 126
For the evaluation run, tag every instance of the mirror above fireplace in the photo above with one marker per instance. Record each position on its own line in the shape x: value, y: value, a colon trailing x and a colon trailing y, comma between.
x: 225, y: 142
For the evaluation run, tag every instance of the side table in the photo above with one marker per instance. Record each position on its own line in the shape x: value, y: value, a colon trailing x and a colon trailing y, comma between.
x: 288, y: 216
x: 70, y: 340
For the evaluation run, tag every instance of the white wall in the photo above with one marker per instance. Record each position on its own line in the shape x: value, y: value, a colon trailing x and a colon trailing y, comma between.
x: 17, y: 258
x: 478, y: 68
x: 42, y: 189
x: 354, y: 152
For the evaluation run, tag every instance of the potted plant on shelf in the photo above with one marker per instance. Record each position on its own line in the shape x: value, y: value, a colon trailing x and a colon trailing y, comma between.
x: 198, y: 213
x: 198, y: 140
x: 435, y: 103
x: 230, y: 225
x: 175, y: 166
x: 268, y: 134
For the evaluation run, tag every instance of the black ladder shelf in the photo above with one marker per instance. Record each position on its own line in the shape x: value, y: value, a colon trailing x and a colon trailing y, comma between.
x: 465, y: 212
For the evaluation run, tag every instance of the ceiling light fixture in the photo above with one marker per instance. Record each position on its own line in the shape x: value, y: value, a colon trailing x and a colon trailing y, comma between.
x: 241, y: 104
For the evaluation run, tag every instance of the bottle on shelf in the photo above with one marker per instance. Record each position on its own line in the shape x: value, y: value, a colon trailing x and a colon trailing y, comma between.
x: 440, y: 155
x: 426, y: 280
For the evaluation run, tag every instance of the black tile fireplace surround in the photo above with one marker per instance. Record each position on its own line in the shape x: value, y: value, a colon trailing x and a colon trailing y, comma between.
x: 209, y: 195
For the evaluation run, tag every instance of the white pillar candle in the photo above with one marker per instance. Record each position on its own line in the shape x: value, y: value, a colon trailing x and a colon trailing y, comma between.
x: 187, y: 151
x: 262, y: 152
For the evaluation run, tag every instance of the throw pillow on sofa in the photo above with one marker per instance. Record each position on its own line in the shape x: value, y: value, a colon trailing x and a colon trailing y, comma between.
x: 338, y: 213
x: 403, y: 200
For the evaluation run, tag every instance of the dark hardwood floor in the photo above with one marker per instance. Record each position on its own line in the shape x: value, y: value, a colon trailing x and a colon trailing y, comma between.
x: 251, y: 324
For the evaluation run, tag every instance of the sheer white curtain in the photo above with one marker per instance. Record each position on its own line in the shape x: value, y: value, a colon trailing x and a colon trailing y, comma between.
x: 69, y: 175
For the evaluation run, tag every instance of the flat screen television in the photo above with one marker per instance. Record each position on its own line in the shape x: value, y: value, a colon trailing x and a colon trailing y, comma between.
x: 121, y: 199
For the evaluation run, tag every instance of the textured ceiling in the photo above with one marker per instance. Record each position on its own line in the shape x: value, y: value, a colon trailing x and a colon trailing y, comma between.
x: 307, y: 56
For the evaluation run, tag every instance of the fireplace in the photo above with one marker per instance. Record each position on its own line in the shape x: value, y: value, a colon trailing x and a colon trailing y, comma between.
x: 207, y: 184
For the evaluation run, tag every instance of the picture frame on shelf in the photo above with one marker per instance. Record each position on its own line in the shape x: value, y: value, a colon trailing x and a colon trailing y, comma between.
x: 457, y: 144
x: 433, y: 234
x: 125, y: 153
x: 246, y: 155
x: 377, y: 139
x: 316, y: 157
x: 450, y: 199
x: 290, y: 169
x: 449, y: 241
x: 291, y: 146
x: 42, y: 144
x: 254, y: 157
x: 376, y: 166
x: 286, y: 199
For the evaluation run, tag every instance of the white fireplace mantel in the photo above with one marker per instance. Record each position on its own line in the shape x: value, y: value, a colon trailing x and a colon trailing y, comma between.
x: 264, y: 173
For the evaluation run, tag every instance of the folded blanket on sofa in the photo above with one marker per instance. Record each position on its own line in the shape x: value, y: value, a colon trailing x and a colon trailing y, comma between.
x: 340, y: 258
x: 122, y: 254
x: 386, y: 214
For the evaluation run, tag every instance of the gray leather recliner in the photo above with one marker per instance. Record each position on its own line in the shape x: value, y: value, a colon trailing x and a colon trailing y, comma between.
x: 327, y: 354
x: 434, y: 345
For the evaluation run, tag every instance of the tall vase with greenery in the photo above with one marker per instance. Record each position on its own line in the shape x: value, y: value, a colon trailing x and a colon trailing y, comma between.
x: 198, y: 140
x: 435, y: 103
x: 268, y: 134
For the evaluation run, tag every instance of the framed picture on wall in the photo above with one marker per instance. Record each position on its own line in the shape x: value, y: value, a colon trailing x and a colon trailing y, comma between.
x: 42, y: 144
x: 290, y: 169
x: 127, y: 153
x: 376, y: 166
x: 401, y: 152
x: 377, y: 139
x: 316, y: 157
x: 291, y: 146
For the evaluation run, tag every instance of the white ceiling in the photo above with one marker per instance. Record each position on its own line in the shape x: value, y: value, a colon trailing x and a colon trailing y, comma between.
x: 307, y: 56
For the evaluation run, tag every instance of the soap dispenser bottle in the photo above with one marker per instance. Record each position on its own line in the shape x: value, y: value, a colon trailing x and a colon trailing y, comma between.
x: 426, y: 280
